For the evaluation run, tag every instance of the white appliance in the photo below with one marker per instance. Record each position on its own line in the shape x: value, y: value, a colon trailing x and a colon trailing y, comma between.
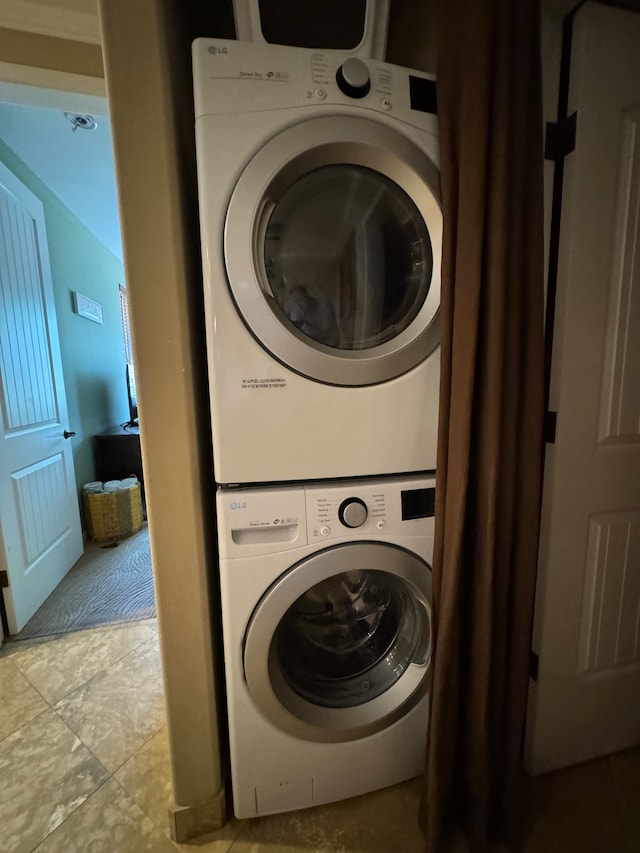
x: 321, y: 240
x: 326, y: 617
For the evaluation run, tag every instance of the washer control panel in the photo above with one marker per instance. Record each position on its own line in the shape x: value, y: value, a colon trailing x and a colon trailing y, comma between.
x: 271, y: 520
x: 371, y: 507
x: 353, y: 512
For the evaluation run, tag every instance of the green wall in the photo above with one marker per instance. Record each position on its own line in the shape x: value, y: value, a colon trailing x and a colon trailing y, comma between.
x: 93, y: 358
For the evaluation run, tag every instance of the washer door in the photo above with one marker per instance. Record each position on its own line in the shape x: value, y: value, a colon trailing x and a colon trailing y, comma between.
x: 340, y: 646
x: 332, y: 245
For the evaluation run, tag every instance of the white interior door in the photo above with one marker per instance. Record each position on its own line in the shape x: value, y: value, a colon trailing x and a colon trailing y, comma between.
x: 40, y: 530
x: 587, y: 633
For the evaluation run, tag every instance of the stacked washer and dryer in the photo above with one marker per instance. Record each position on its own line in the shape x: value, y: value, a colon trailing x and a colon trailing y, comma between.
x: 321, y: 239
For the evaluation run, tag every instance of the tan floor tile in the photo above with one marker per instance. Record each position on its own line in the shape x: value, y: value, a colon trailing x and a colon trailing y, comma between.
x: 19, y: 701
x: 576, y: 810
x: 217, y: 842
x: 121, y: 708
x: 146, y: 778
x: 380, y: 822
x: 57, y: 667
x: 45, y: 774
x: 109, y: 822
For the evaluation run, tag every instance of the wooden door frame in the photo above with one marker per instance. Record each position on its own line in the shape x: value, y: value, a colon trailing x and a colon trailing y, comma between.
x: 4, y: 621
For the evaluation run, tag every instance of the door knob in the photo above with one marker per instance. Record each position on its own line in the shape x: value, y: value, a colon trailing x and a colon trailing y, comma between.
x: 68, y: 434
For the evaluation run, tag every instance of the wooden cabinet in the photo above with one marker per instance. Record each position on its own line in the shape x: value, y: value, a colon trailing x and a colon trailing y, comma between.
x: 117, y: 454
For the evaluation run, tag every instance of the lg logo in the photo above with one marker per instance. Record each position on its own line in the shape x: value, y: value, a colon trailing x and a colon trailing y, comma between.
x: 214, y: 50
x: 238, y: 504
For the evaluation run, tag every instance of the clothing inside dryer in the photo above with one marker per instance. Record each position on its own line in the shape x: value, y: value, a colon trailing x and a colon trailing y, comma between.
x: 348, y: 257
x: 350, y: 638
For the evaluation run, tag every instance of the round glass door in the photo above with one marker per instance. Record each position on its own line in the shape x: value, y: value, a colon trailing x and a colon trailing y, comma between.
x: 340, y: 646
x: 348, y: 257
x: 349, y: 638
x: 332, y: 246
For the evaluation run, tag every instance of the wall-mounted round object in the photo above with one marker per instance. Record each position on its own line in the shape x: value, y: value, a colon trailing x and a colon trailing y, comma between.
x: 78, y: 120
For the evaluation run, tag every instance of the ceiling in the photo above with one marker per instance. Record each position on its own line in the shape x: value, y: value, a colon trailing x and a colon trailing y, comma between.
x: 77, y: 166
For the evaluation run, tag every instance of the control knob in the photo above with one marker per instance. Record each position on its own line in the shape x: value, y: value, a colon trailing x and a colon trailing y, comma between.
x: 353, y: 512
x: 353, y: 78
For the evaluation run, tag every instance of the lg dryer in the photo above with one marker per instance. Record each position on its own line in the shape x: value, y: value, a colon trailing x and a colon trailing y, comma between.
x: 326, y: 616
x: 321, y: 240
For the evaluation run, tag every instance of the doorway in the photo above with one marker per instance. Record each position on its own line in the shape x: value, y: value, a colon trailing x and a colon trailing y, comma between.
x: 58, y: 145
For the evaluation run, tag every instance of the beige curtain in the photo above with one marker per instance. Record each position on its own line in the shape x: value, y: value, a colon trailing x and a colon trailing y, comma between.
x: 489, y: 462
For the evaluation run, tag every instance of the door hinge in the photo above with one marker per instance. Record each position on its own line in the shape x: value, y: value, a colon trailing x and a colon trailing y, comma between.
x: 550, y: 423
x: 4, y: 580
x: 533, y: 666
x: 560, y: 138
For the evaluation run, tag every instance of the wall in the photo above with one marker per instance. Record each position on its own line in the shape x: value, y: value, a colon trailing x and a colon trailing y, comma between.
x: 93, y: 359
x: 412, y: 35
x: 146, y: 48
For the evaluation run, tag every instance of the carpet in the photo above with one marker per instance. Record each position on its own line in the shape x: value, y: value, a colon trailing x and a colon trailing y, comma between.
x: 108, y: 585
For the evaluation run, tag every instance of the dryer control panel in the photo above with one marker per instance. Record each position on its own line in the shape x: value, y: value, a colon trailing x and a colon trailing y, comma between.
x: 234, y: 76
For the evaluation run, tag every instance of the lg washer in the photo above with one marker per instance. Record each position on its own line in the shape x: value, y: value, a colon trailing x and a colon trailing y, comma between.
x: 326, y: 618
x: 321, y: 237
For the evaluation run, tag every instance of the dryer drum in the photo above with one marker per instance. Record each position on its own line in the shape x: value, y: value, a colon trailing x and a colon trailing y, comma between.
x: 342, y: 220
x: 348, y: 257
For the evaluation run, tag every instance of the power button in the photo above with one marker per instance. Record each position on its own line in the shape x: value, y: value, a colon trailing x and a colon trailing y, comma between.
x: 324, y: 530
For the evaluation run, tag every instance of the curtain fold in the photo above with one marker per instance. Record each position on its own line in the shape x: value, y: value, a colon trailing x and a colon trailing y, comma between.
x: 491, y: 400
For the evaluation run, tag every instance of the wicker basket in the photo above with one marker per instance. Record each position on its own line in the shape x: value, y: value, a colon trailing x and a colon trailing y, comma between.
x: 113, y: 515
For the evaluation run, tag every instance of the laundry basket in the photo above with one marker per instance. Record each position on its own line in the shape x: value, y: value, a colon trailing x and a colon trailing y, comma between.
x: 113, y: 514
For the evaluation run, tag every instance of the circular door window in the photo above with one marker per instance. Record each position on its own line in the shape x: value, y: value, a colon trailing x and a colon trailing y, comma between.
x: 332, y: 246
x: 349, y: 638
x: 340, y: 646
x: 348, y: 257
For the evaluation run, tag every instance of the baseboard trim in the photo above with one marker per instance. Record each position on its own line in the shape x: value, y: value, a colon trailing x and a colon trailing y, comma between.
x: 189, y: 822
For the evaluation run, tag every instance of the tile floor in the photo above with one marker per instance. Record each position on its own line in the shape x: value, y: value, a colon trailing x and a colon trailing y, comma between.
x: 84, y: 767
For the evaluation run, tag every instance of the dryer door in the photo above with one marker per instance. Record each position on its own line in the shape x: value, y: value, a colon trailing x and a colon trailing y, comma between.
x: 332, y: 245
x: 340, y: 646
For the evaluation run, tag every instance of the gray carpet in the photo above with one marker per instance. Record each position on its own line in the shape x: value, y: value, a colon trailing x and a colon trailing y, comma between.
x: 107, y: 586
